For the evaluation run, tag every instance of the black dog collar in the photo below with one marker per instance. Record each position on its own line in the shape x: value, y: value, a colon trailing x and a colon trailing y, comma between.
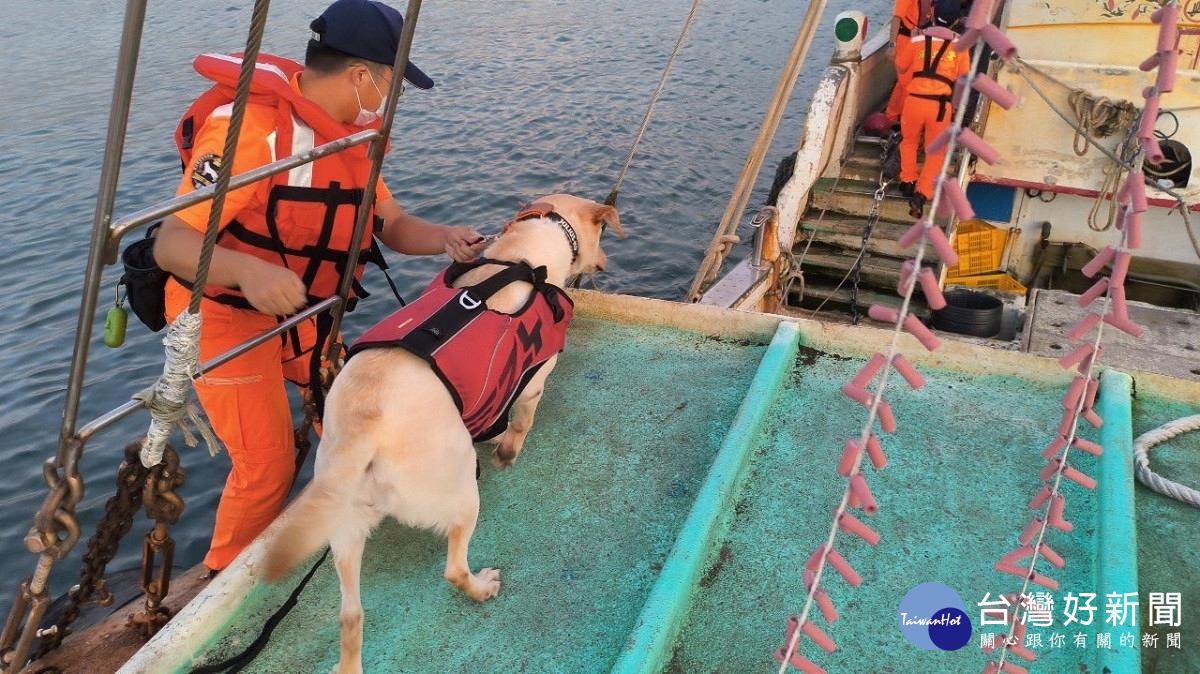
x: 544, y: 210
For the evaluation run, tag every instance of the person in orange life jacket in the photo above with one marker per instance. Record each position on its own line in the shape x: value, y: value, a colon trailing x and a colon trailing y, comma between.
x: 934, y: 66
x: 284, y: 240
x: 907, y: 16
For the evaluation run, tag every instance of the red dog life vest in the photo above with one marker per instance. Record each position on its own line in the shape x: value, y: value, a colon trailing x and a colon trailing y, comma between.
x: 484, y: 357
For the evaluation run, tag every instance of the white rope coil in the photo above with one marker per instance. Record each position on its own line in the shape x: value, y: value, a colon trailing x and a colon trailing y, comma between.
x: 167, y: 398
x: 1153, y: 480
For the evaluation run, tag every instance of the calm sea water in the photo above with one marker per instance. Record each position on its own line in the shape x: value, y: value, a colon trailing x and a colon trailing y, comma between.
x: 532, y: 98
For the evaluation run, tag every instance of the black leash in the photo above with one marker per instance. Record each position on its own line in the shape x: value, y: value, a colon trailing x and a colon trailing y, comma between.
x: 237, y: 662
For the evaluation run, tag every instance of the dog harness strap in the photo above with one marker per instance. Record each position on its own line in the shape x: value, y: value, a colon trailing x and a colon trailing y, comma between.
x: 485, y: 358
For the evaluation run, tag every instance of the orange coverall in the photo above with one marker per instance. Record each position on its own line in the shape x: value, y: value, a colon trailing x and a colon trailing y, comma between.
x: 933, y: 66
x: 245, y: 399
x: 911, y: 14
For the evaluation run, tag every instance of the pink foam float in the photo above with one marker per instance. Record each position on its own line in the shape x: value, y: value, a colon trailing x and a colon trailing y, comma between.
x: 1097, y: 263
x: 1045, y: 581
x: 1087, y: 446
x: 798, y: 661
x: 1133, y: 225
x: 917, y: 329
x: 1054, y: 517
x: 1090, y: 416
x: 980, y: 15
x: 1166, y: 14
x: 1066, y: 423
x: 1030, y: 531
x: 1075, y: 357
x: 978, y: 146
x: 1020, y: 651
x: 883, y: 314
x: 868, y: 371
x: 1153, y: 150
x: 875, y: 452
x: 851, y: 524
x: 937, y: 238
x: 1149, y: 117
x: 943, y: 139
x: 1013, y: 569
x: 992, y: 89
x: 1042, y: 496
x: 907, y: 371
x: 1083, y: 326
x: 828, y: 610
x: 906, y: 276
x: 1168, y: 31
x: 955, y: 200
x: 1124, y: 325
x: 849, y: 458
x: 1050, y: 469
x: 914, y: 233
x: 998, y: 41
x: 1168, y: 61
x: 1089, y: 398
x: 929, y: 286
x: 1120, y: 268
x: 843, y: 567
x: 819, y: 638
x: 1120, y: 308
x: 1150, y: 63
x: 887, y: 420
x: 967, y: 40
x: 1098, y: 288
x: 1051, y: 556
x: 1016, y: 555
x: 858, y: 484
x: 1052, y: 450
x: 1134, y: 190
x: 1073, y: 474
x: 1074, y: 393
x: 857, y: 394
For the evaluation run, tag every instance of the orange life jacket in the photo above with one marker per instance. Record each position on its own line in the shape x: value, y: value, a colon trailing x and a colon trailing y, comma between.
x: 939, y: 66
x: 309, y: 218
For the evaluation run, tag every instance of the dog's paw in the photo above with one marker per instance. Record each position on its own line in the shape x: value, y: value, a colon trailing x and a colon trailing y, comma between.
x: 485, y: 584
x: 503, y: 455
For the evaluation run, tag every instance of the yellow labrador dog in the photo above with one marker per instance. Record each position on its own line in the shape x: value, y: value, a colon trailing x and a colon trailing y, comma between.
x: 395, y: 441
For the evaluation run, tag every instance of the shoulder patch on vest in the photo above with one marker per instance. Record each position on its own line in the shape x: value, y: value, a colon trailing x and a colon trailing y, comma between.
x: 204, y: 172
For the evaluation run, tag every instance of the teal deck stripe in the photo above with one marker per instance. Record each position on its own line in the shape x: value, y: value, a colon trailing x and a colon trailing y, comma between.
x: 658, y: 625
x: 1116, y: 556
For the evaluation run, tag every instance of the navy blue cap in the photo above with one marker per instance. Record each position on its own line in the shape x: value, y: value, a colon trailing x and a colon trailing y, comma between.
x: 367, y: 29
x: 946, y: 12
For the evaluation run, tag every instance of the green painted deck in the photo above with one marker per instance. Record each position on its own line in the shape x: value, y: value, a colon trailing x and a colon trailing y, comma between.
x: 618, y: 470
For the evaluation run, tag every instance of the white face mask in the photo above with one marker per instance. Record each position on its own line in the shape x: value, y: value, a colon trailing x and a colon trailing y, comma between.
x: 366, y: 117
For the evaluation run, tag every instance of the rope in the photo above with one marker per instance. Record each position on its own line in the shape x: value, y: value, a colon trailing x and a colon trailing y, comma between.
x: 1019, y: 66
x: 758, y: 152
x: 1153, y: 480
x: 612, y: 196
x: 1098, y: 117
x: 1112, y: 182
x: 258, y: 22
x: 167, y: 398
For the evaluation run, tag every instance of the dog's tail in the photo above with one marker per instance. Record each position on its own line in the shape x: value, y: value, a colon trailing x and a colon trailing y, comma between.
x: 321, y: 509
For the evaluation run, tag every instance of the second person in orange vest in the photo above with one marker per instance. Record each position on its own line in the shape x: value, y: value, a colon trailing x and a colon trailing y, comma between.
x: 907, y: 17
x: 284, y: 240
x: 934, y: 66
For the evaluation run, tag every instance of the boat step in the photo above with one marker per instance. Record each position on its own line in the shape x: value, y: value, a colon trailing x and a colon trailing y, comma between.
x: 827, y: 298
x: 876, y: 270
x: 846, y: 232
x: 852, y: 200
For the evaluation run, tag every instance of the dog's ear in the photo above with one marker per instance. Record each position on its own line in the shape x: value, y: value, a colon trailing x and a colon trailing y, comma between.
x: 607, y: 215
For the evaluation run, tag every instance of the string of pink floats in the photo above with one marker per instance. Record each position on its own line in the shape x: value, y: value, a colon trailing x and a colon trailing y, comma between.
x: 1081, y: 393
x: 950, y: 200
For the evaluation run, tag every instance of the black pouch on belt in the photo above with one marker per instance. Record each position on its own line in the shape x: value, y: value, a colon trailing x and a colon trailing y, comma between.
x: 145, y: 282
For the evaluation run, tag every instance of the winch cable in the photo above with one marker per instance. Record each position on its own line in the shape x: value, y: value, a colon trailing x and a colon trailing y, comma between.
x: 611, y: 200
x: 721, y: 244
x: 239, y: 661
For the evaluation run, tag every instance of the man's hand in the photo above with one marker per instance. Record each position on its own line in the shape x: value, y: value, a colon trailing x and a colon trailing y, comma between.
x: 463, y: 244
x: 270, y: 288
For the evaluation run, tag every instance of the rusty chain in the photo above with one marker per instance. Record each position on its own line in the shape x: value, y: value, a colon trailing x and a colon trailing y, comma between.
x: 102, y: 547
x: 164, y: 506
